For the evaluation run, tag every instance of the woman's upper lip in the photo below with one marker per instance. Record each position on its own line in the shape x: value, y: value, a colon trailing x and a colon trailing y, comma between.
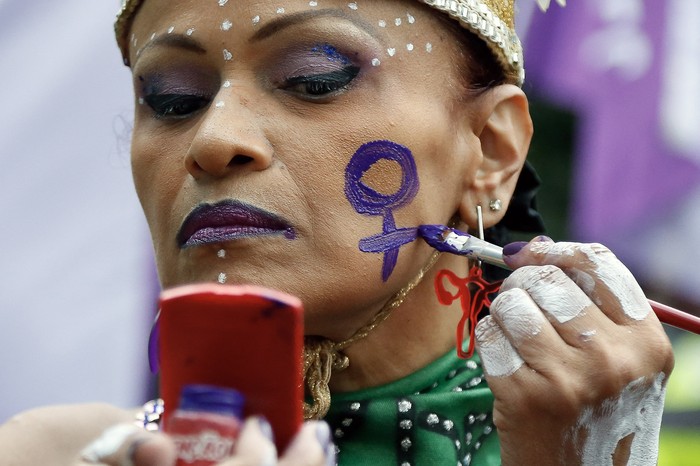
x: 228, y: 220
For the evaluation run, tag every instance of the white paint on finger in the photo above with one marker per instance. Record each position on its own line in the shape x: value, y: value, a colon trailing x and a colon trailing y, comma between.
x: 554, y: 249
x: 619, y: 280
x: 518, y: 315
x: 552, y: 290
x: 498, y: 356
x: 636, y: 411
x: 598, y: 266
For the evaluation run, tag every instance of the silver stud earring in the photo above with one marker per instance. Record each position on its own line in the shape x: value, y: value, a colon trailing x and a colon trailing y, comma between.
x: 495, y: 205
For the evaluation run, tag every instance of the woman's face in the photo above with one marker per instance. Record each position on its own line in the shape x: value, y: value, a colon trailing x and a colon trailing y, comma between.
x: 271, y: 138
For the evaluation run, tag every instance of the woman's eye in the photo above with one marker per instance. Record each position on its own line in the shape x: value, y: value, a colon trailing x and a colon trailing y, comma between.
x: 175, y: 105
x: 320, y: 85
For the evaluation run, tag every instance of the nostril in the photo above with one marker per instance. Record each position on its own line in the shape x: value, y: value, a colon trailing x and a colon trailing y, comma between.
x: 240, y: 160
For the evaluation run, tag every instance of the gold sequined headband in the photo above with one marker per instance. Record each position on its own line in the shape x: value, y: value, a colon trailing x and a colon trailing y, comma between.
x: 491, y: 20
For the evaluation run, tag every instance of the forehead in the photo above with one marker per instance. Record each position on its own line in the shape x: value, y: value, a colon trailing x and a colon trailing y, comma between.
x: 225, y: 20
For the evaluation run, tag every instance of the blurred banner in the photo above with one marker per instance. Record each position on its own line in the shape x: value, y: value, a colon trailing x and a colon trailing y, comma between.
x: 76, y: 280
x: 630, y: 70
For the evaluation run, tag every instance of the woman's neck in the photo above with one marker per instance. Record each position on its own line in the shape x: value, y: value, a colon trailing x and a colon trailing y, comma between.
x: 414, y: 335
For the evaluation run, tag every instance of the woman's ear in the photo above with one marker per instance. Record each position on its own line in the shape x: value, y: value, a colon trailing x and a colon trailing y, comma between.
x: 501, y: 121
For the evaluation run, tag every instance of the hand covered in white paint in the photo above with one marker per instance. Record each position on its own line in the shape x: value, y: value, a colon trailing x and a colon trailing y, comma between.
x: 79, y: 435
x: 127, y: 444
x: 576, y: 359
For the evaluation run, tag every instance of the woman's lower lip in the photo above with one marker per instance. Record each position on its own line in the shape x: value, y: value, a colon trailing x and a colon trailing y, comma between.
x: 211, y: 235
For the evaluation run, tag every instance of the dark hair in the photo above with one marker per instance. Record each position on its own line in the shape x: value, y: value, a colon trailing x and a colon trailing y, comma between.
x: 476, y: 62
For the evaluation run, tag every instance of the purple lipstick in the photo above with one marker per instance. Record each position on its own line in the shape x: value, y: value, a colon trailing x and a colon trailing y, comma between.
x: 229, y: 220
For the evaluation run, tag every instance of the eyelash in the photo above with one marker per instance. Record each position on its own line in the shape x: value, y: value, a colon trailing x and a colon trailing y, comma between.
x: 175, y: 106
x: 320, y: 86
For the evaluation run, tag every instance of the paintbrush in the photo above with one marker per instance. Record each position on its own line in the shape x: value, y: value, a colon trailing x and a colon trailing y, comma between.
x: 446, y: 239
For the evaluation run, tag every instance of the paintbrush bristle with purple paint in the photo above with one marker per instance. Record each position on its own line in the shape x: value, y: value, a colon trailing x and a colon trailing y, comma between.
x: 446, y: 239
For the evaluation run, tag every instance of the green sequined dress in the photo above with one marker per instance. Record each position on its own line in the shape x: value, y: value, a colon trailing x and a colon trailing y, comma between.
x: 440, y: 415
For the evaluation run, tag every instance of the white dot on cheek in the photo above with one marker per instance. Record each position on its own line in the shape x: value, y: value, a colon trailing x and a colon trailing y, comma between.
x: 222, y: 278
x: 352, y: 6
x: 313, y: 3
x: 410, y: 18
x: 409, y: 47
x: 428, y: 47
x: 153, y: 36
x: 223, y: 2
x: 190, y: 31
x: 227, y: 55
x: 256, y: 20
x: 397, y: 21
x: 171, y: 29
x: 280, y: 10
x: 220, y: 104
x: 226, y: 84
x: 391, y: 51
x: 381, y: 23
x: 376, y: 62
x: 226, y: 25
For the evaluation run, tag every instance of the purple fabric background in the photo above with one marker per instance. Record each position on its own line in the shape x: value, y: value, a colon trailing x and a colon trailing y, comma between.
x: 591, y: 58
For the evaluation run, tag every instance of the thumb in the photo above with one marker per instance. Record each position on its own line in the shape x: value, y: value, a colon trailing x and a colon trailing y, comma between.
x: 129, y: 445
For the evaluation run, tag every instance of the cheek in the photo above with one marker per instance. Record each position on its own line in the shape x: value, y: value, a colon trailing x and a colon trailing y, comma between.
x: 154, y: 179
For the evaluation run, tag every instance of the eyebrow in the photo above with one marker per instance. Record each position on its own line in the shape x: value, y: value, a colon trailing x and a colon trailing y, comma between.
x: 293, y: 19
x: 174, y: 40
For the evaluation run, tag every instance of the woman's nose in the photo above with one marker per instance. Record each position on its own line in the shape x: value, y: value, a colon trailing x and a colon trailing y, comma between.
x: 229, y: 138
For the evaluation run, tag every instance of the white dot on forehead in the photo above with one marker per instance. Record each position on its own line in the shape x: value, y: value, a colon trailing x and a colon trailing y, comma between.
x: 391, y: 51
x: 226, y: 25
x: 409, y: 47
x: 221, y: 253
x: 381, y: 23
x: 428, y: 47
x: 220, y: 104
x: 226, y: 84
x: 256, y: 19
x: 141, y: 101
x: 313, y: 3
x: 376, y: 62
x: 397, y: 21
x: 153, y: 36
x: 190, y: 31
x: 223, y: 2
x: 227, y: 55
x: 352, y: 6
x: 280, y: 10
x: 171, y: 29
x: 410, y: 18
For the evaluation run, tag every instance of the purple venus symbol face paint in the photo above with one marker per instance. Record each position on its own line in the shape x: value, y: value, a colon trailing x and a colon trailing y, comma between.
x: 368, y: 201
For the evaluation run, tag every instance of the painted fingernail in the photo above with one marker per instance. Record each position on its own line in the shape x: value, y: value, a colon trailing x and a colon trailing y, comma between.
x: 323, y: 435
x: 108, y: 443
x: 513, y: 248
x: 330, y: 455
x: 266, y: 429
